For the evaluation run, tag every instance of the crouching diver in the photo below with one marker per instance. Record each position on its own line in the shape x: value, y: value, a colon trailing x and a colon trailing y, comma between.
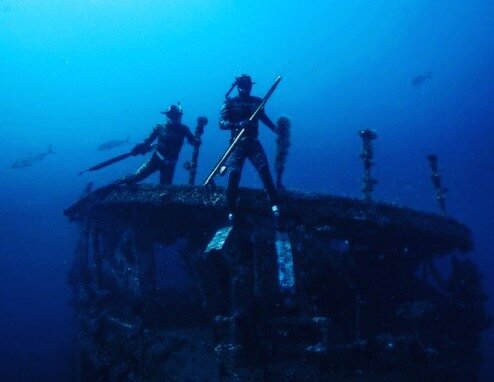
x: 235, y: 114
x: 170, y: 138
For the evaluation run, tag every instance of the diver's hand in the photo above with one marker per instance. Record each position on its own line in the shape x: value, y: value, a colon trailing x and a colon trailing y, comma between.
x: 244, y: 124
x: 141, y: 148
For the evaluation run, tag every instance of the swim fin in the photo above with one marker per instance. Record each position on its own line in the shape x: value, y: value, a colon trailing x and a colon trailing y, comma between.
x: 219, y: 239
x: 284, y: 255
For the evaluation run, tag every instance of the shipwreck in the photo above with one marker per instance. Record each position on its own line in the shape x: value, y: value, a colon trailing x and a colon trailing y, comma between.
x: 152, y: 303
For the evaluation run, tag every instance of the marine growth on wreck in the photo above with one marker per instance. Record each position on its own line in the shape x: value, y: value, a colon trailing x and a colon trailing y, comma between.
x: 155, y: 301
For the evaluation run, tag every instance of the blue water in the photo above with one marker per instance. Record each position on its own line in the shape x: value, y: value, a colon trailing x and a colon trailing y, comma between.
x: 77, y: 73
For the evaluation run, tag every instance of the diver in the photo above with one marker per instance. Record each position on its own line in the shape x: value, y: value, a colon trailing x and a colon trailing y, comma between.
x: 170, y: 138
x: 235, y: 114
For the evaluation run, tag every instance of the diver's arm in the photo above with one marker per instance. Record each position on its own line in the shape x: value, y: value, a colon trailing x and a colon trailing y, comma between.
x: 143, y: 147
x: 225, y: 123
x: 266, y: 120
x: 189, y: 136
x: 152, y: 136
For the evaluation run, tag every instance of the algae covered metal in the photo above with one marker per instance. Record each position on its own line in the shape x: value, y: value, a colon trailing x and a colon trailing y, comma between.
x: 154, y: 302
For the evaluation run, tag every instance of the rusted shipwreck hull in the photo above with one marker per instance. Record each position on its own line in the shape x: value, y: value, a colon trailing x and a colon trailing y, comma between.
x: 151, y: 304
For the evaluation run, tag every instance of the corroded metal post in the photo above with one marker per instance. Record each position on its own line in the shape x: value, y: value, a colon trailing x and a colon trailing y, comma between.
x: 367, y: 154
x: 282, y: 146
x: 436, y: 182
x: 191, y: 166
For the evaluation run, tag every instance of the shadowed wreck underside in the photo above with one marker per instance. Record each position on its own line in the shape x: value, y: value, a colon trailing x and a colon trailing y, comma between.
x: 153, y: 304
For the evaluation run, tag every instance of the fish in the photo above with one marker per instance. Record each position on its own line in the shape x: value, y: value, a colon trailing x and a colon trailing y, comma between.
x: 30, y: 160
x: 111, y: 144
x: 421, y: 79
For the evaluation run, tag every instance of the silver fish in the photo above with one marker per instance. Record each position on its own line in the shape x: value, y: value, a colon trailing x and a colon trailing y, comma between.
x: 421, y: 79
x: 109, y: 145
x: 30, y: 160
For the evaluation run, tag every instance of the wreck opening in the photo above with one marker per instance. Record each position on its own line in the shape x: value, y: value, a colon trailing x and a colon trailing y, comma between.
x: 176, y: 289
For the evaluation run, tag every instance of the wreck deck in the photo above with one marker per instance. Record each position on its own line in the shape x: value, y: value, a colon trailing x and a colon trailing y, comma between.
x: 375, y: 224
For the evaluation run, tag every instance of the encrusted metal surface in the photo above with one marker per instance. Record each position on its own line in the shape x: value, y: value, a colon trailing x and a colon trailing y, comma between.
x: 372, y: 223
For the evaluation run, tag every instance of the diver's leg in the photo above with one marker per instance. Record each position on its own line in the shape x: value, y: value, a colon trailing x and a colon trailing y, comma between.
x: 142, y: 173
x: 236, y: 162
x: 166, y: 173
x: 260, y: 161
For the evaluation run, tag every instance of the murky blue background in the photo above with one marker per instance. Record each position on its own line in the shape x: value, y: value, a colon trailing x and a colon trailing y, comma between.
x: 77, y: 73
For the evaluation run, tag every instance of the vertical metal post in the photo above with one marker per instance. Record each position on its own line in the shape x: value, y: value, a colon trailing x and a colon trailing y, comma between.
x: 191, y: 166
x: 367, y: 155
x: 358, y: 306
x: 282, y: 146
x: 437, y: 183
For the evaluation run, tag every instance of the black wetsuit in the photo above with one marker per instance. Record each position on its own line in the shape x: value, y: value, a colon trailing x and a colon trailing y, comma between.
x: 170, y: 141
x: 233, y: 112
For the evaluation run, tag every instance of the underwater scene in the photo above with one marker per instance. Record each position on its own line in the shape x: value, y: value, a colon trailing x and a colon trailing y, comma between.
x: 234, y: 190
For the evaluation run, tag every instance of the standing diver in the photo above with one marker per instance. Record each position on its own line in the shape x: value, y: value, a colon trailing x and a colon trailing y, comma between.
x: 170, y: 137
x: 235, y: 114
